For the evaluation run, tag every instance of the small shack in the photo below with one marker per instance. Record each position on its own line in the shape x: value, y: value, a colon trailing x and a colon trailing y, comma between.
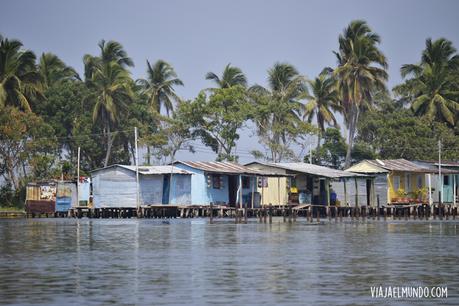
x: 305, y: 183
x: 398, y: 180
x: 41, y: 197
x: 66, y: 195
x: 116, y: 186
x: 223, y: 183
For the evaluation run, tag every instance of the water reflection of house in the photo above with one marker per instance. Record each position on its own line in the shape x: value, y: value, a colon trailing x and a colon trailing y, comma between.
x: 223, y: 183
x: 116, y: 186
x: 448, y: 183
x: 397, y: 180
x: 313, y: 184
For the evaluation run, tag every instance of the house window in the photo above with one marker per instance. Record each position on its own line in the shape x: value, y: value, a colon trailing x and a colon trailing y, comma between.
x: 446, y: 180
x: 407, y: 182
x: 396, y: 182
x: 419, y: 181
x: 217, y: 182
x: 245, y: 182
x: 262, y: 182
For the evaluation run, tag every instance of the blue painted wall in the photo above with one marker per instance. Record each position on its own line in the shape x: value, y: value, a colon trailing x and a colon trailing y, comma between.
x: 200, y: 193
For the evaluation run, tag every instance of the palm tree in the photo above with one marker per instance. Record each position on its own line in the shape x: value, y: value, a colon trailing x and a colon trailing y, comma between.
x: 159, y: 86
x: 279, y: 110
x: 20, y: 84
x: 110, y: 51
x: 231, y: 76
x: 431, y: 87
x: 52, y: 70
x: 361, y: 72
x: 110, y: 86
x: 322, y: 102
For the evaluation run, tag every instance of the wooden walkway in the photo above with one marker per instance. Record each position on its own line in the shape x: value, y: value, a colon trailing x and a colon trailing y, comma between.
x: 267, y: 212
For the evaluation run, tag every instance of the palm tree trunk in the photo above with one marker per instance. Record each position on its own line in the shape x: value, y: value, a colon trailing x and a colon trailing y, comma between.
x: 109, y: 145
x: 318, y: 141
x: 148, y: 155
x: 352, y: 127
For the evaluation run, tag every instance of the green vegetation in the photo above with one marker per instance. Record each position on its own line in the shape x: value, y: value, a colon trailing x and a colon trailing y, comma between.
x: 48, y: 110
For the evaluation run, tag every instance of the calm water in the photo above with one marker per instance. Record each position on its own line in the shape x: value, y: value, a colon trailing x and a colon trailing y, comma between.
x: 94, y: 262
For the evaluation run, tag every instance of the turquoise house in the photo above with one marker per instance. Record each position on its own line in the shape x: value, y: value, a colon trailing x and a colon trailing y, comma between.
x: 221, y: 183
x: 448, y: 184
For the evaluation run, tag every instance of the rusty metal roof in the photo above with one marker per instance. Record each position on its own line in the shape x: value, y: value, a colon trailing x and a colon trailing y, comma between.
x: 401, y: 165
x: 227, y: 168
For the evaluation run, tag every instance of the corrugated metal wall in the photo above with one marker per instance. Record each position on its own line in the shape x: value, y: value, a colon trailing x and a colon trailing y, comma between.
x: 181, y: 189
x: 338, y: 187
x: 381, y: 188
x: 114, y: 187
x: 151, y: 189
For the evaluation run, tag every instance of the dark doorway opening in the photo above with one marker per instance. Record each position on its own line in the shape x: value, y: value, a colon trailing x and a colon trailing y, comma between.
x: 232, y: 189
x: 166, y: 186
x: 368, y: 192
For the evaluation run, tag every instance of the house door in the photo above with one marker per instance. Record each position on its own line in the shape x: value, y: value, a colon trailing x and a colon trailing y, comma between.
x: 233, y: 181
x: 369, y: 192
x: 166, y: 186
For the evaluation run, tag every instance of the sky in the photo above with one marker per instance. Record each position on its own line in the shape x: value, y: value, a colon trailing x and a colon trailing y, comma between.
x: 204, y: 35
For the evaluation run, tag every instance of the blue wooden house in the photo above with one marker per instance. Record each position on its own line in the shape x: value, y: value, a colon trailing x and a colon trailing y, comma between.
x: 222, y: 183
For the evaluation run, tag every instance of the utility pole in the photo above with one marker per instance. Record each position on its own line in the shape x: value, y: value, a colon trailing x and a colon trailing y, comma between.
x: 137, y: 170
x: 170, y: 180
x: 78, y: 178
x: 440, y: 179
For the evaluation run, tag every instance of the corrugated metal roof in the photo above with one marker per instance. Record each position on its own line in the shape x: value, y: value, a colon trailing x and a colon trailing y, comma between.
x: 221, y: 167
x: 150, y: 170
x: 434, y: 167
x: 314, y: 170
x: 401, y: 165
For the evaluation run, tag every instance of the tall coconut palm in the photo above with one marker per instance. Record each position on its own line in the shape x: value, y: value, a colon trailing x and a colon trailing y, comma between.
x: 431, y: 86
x: 110, y: 51
x: 110, y: 86
x: 361, y: 72
x: 322, y: 102
x: 231, y: 76
x: 279, y: 109
x: 52, y: 70
x: 159, y: 86
x: 20, y: 84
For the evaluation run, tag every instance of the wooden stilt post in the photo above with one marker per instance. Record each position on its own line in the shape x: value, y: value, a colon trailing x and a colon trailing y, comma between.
x: 356, y: 197
x: 254, y: 181
x: 278, y: 191
x: 345, y: 192
x: 327, y: 188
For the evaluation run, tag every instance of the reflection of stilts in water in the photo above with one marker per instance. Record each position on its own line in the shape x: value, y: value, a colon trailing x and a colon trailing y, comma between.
x: 136, y: 258
x: 78, y: 259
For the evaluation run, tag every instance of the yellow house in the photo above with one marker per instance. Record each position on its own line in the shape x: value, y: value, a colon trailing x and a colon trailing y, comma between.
x: 397, y: 180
